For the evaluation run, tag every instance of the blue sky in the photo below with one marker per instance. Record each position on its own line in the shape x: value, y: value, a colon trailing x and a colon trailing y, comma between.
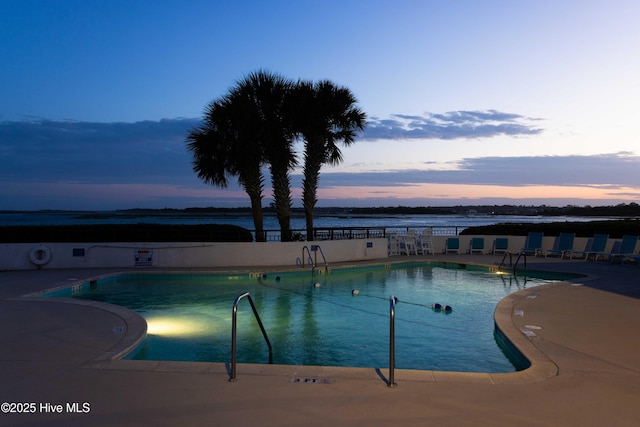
x: 506, y: 102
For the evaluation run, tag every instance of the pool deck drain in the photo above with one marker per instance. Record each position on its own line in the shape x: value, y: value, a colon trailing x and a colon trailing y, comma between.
x: 311, y: 380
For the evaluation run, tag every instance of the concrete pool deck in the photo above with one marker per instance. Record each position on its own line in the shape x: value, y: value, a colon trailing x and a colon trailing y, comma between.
x: 586, y: 372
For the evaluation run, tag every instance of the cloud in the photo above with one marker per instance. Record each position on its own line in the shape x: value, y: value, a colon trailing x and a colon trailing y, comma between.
x: 154, y: 151
x: 451, y: 125
x: 145, y: 151
x: 617, y: 170
x: 85, y: 165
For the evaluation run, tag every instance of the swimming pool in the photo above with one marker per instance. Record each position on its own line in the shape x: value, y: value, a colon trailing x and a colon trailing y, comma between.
x: 319, y: 320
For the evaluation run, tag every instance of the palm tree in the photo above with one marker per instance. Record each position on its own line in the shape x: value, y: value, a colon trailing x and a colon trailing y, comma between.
x: 225, y: 145
x: 327, y: 114
x: 269, y: 95
x: 256, y: 123
x: 244, y: 130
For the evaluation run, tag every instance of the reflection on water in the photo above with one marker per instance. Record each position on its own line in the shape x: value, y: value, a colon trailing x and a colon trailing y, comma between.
x: 189, y: 316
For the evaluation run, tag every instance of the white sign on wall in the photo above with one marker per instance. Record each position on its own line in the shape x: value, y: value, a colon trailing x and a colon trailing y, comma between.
x: 143, y: 258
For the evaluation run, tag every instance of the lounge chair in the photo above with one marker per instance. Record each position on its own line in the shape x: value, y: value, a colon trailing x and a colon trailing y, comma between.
x: 533, y: 244
x: 392, y: 243
x: 626, y: 249
x: 452, y: 245
x: 500, y: 245
x: 594, y: 247
x: 423, y: 243
x: 476, y: 245
x: 562, y: 246
x: 407, y: 243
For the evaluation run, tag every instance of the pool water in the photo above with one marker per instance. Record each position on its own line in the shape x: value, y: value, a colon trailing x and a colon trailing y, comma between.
x: 316, y: 319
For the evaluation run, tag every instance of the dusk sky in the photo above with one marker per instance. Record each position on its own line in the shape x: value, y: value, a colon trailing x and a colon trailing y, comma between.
x: 468, y: 102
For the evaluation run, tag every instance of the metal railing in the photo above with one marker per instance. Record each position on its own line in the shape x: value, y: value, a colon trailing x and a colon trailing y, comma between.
x: 504, y: 258
x: 520, y: 255
x: 305, y: 248
x: 392, y: 340
x: 313, y: 261
x: 315, y: 249
x: 232, y: 376
x: 511, y: 263
x: 346, y: 233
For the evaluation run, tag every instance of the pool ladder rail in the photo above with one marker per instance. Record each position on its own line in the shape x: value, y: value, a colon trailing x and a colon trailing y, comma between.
x: 313, y: 261
x: 392, y: 341
x: 511, y: 263
x: 232, y: 376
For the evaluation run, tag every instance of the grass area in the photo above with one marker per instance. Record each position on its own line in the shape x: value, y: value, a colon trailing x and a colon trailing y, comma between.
x: 614, y: 228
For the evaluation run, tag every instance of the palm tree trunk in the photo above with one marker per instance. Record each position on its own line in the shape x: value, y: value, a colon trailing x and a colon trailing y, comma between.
x: 282, y: 197
x: 253, y: 187
x: 258, y: 222
x: 309, y: 194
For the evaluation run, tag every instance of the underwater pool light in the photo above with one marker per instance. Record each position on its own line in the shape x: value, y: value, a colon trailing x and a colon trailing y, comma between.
x: 178, y: 327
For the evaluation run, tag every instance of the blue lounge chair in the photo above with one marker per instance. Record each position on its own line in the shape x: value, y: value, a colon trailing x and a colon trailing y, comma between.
x: 562, y: 246
x: 625, y: 249
x: 594, y: 248
x: 500, y: 245
x: 452, y: 245
x: 476, y: 245
x: 533, y: 244
x: 583, y: 253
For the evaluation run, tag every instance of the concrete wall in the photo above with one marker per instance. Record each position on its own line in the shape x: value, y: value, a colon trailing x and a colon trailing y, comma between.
x: 17, y: 256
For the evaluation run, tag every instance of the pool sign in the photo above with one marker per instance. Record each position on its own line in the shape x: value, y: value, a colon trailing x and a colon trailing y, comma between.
x: 143, y: 258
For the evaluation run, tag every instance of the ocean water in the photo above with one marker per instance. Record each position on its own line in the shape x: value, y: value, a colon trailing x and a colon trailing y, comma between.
x: 271, y: 222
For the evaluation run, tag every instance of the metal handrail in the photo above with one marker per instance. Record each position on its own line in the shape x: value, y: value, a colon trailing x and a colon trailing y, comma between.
x: 392, y: 340
x: 233, y: 333
x: 511, y: 263
x: 316, y: 248
x: 522, y: 253
x: 310, y: 259
x: 504, y: 257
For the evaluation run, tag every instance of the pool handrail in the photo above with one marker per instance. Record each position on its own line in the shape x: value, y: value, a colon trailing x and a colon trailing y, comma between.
x: 309, y: 259
x: 392, y: 341
x: 313, y: 261
x: 521, y: 254
x: 232, y: 377
x: 504, y: 258
x: 315, y: 249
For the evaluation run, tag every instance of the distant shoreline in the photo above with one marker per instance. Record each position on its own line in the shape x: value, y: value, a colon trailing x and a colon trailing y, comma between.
x: 631, y: 210
x: 146, y: 232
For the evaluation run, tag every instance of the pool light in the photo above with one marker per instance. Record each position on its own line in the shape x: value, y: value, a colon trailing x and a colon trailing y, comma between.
x: 172, y: 326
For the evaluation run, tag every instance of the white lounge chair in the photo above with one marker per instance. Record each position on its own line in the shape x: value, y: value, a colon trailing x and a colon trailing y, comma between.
x: 423, y: 243
x: 407, y: 243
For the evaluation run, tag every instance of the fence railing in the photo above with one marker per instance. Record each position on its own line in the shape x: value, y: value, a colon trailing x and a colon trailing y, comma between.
x: 343, y: 233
